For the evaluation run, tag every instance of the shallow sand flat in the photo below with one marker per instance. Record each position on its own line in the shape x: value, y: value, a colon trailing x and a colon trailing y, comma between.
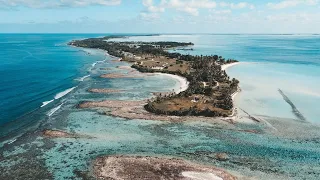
x: 56, y: 134
x: 128, y: 110
x: 104, y: 90
x: 110, y: 104
x: 140, y: 167
x: 105, y: 69
x: 116, y: 75
x: 125, y: 67
x: 62, y: 134
x: 135, y: 110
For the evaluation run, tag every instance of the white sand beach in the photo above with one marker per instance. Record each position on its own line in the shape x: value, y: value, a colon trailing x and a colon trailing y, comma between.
x: 183, y: 83
x: 226, y: 66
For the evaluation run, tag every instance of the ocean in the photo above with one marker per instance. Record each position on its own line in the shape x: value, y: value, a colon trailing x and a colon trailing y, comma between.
x: 43, y: 80
x: 37, y: 69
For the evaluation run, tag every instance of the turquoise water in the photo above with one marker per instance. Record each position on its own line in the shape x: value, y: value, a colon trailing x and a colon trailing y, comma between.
x: 260, y: 83
x: 287, y: 62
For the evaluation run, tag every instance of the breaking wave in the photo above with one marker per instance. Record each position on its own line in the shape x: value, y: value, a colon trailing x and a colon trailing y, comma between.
x: 83, y: 78
x: 63, y: 93
x: 52, y: 111
x: 46, y: 103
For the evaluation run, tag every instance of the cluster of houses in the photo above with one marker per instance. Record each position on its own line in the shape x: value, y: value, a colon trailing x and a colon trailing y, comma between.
x: 131, y: 56
x: 164, y: 66
x: 137, y: 45
x: 157, y: 67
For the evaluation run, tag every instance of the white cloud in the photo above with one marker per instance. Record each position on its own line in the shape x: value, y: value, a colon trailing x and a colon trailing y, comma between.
x: 189, y: 3
x: 190, y: 10
x: 56, y: 3
x: 151, y: 8
x: 227, y: 11
x: 189, y: 6
x: 292, y: 3
x: 149, y: 16
x: 295, y: 18
x: 178, y: 19
x: 240, y: 5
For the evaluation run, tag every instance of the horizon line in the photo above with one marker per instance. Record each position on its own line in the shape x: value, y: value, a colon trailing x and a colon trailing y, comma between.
x: 130, y: 33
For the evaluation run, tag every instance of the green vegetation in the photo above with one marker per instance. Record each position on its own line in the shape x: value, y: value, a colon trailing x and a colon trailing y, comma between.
x: 210, y: 88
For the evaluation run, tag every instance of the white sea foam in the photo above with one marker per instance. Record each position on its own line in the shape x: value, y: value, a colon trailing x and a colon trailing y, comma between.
x: 11, y: 141
x: 94, y: 64
x: 83, y: 78
x: 46, y: 103
x: 52, y: 111
x: 63, y: 93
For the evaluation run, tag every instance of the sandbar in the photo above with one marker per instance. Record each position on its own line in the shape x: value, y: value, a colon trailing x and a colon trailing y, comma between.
x: 156, y: 168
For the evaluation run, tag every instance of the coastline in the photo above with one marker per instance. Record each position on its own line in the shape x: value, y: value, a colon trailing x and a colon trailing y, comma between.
x: 183, y: 83
x: 234, y: 95
x: 152, y: 57
x: 227, y: 66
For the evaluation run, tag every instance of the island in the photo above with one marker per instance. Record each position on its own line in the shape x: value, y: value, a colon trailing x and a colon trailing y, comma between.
x: 210, y: 89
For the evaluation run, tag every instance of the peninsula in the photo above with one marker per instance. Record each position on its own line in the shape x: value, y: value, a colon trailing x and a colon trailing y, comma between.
x: 210, y: 89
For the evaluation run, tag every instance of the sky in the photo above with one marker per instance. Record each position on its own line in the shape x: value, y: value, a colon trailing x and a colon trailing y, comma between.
x: 160, y: 16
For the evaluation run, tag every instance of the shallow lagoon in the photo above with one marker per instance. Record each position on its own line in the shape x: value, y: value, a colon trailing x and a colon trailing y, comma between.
x: 287, y: 62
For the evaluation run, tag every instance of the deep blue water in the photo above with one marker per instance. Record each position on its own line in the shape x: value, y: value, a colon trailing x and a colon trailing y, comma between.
x: 34, y: 68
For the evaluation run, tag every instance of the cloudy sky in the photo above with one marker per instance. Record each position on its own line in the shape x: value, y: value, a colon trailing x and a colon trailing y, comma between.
x: 160, y: 16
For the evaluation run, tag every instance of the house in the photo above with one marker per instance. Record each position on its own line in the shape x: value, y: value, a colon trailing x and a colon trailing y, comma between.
x: 205, y: 84
x: 157, y: 46
x: 157, y: 68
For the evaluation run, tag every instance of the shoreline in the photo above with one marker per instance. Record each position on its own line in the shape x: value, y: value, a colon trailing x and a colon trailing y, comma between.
x: 227, y: 66
x: 183, y: 83
x: 235, y: 94
x: 235, y: 109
